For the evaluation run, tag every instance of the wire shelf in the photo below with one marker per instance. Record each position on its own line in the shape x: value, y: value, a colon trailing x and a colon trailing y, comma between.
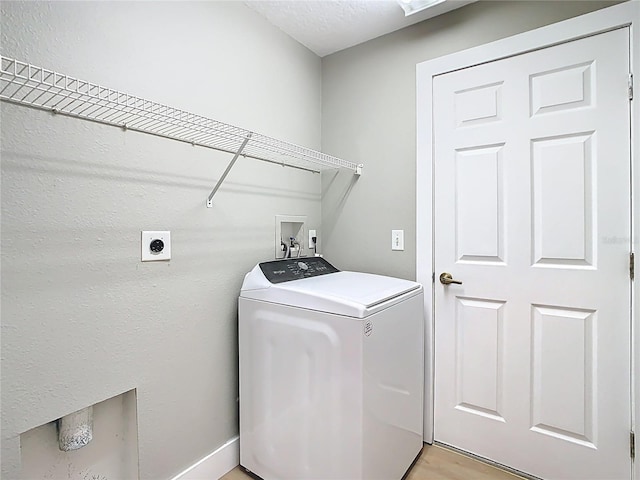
x: 37, y: 87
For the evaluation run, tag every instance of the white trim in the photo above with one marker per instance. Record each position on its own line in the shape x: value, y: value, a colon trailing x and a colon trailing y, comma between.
x: 214, y: 465
x: 625, y: 14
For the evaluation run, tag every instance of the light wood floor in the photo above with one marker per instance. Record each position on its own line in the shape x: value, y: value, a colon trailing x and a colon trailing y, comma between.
x: 435, y: 463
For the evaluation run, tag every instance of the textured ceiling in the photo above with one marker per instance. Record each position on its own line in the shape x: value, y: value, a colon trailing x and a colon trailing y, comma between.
x: 328, y: 26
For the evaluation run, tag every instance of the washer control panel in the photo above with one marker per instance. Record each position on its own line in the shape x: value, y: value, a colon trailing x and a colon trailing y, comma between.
x: 290, y: 269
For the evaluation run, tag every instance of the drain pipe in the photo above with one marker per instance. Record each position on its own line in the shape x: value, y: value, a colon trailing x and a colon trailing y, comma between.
x: 75, y: 430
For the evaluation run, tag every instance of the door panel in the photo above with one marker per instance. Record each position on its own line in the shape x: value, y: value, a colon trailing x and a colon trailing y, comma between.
x: 562, y: 389
x: 562, y: 89
x: 479, y: 325
x: 479, y: 217
x: 563, y: 196
x: 531, y: 183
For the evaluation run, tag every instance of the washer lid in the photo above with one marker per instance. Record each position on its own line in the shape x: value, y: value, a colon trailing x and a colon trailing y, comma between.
x: 352, y: 294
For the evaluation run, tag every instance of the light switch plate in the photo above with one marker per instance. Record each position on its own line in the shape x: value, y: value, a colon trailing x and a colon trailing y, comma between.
x: 155, y: 246
x: 397, y: 239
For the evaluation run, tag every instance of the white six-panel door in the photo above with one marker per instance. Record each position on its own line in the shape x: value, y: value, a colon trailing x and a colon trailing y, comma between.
x: 532, y: 214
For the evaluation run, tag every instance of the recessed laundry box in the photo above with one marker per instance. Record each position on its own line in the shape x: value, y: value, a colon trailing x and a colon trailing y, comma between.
x: 331, y: 372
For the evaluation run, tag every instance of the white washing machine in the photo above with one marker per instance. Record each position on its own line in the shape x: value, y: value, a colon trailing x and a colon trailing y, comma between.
x: 331, y: 372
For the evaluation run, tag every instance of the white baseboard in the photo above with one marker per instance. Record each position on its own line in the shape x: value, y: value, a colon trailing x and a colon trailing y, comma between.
x: 214, y: 465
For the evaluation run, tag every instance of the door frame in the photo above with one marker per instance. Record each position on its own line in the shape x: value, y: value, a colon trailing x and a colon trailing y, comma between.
x: 621, y: 15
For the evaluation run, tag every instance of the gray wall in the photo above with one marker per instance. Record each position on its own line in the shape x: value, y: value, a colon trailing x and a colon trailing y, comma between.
x: 82, y: 318
x: 368, y: 116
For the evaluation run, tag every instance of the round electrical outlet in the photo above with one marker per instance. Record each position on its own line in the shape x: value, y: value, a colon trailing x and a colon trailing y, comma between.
x: 156, y: 246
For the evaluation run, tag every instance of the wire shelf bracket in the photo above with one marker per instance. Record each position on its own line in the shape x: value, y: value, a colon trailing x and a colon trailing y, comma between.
x: 227, y: 170
x: 36, y: 87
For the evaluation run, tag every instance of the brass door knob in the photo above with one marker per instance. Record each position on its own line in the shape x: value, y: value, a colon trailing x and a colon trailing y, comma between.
x: 447, y: 279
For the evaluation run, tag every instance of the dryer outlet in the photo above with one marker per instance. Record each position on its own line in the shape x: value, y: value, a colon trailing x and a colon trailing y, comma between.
x: 156, y: 245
